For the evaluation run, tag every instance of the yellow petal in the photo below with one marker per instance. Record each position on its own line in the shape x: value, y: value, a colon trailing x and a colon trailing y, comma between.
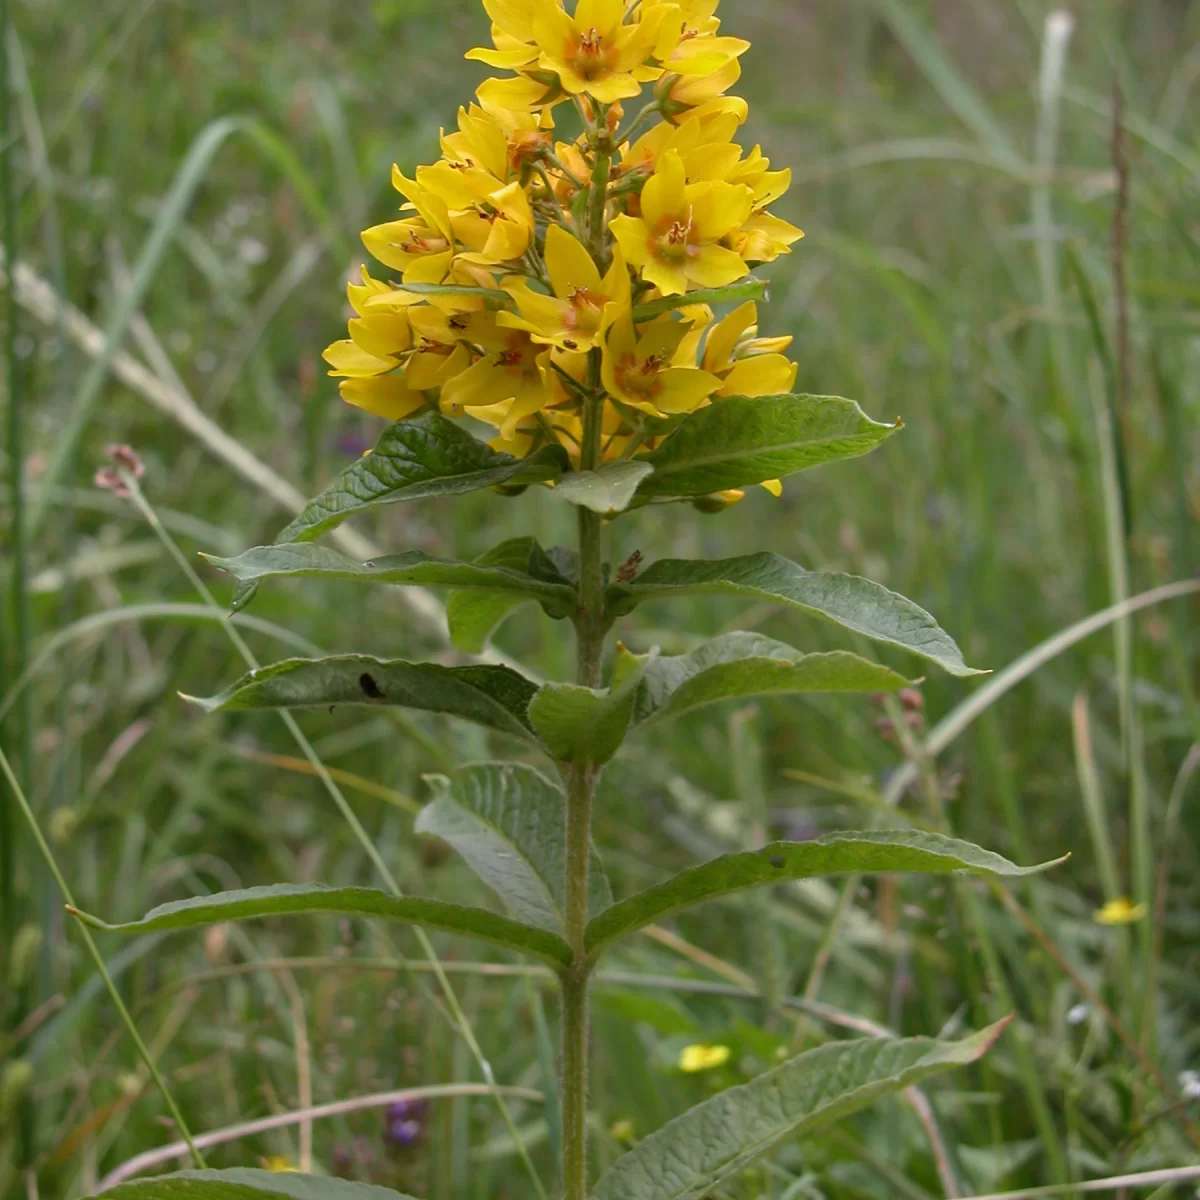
x: 387, y: 396
x: 774, y: 486
x: 503, y: 60
x: 431, y: 268
x: 684, y: 389
x: 570, y: 265
x: 714, y: 267
x: 383, y: 334
x: 725, y: 335
x: 764, y: 375
x: 671, y: 278
x: 1121, y: 911
x: 360, y: 294
x: 513, y: 17
x: 703, y: 1058
x: 353, y: 362
x: 718, y: 208
x: 704, y: 56
x: 663, y: 197
x: 632, y: 236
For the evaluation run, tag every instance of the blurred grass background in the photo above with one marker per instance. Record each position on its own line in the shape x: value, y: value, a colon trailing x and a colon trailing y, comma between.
x: 958, y: 189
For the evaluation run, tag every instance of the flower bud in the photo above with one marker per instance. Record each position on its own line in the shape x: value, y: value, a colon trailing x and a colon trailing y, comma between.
x: 23, y: 954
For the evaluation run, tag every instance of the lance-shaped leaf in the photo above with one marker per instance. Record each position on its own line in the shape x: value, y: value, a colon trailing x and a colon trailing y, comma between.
x: 417, y: 460
x: 741, y: 440
x: 286, y: 898
x: 247, y: 1183
x: 584, y: 726
x: 857, y: 604
x: 474, y: 613
x: 899, y: 851
x: 608, y: 489
x: 415, y: 569
x: 509, y: 822
x: 488, y: 695
x: 693, y: 1153
x: 740, y: 665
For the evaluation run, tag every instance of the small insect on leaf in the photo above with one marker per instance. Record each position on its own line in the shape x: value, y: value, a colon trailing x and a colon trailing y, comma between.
x: 370, y: 688
x: 778, y: 861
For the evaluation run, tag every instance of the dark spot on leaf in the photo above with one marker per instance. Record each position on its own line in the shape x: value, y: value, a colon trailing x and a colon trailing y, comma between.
x: 778, y: 861
x: 370, y: 688
x: 369, y: 565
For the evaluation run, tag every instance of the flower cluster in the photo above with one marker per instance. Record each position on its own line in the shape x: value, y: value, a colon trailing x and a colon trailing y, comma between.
x: 538, y: 272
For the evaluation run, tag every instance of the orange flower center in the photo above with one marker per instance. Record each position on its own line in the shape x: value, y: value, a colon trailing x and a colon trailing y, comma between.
x: 670, y: 240
x: 590, y: 56
x: 640, y: 378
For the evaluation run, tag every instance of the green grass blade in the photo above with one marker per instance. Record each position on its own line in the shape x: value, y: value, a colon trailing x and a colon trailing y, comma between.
x: 944, y: 78
x: 166, y: 226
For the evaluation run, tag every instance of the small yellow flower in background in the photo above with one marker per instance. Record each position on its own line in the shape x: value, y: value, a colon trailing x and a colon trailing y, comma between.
x: 622, y: 1131
x: 278, y: 1164
x: 703, y: 1058
x: 1121, y: 911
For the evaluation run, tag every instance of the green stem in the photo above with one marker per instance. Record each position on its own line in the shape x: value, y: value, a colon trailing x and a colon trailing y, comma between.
x: 581, y: 788
x: 580, y: 778
x: 575, y: 981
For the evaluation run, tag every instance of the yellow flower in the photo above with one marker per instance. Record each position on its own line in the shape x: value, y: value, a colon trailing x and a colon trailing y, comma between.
x: 570, y: 318
x: 508, y: 384
x: 420, y: 247
x: 746, y: 364
x: 498, y: 140
x: 643, y: 369
x: 622, y: 1131
x: 523, y: 93
x: 681, y: 95
x: 278, y: 1163
x: 594, y: 51
x: 1121, y: 911
x: 675, y: 242
x: 440, y: 348
x: 703, y: 1058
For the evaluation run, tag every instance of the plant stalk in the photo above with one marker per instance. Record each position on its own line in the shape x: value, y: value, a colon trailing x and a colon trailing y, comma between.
x: 581, y: 777
x: 581, y: 787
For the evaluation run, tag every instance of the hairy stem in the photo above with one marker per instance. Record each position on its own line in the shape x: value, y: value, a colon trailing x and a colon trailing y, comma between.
x: 575, y: 987
x: 580, y: 777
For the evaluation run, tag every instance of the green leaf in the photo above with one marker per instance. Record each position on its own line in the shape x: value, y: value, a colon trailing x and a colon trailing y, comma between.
x: 742, y: 440
x: 488, y: 695
x: 459, y: 289
x: 416, y: 568
x: 693, y: 1153
x: 885, y: 851
x: 857, y: 604
x: 509, y: 822
x: 286, y: 898
x: 583, y: 726
x: 246, y: 1183
x: 735, y: 293
x: 473, y: 614
x: 609, y: 489
x: 740, y: 665
x: 417, y: 460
